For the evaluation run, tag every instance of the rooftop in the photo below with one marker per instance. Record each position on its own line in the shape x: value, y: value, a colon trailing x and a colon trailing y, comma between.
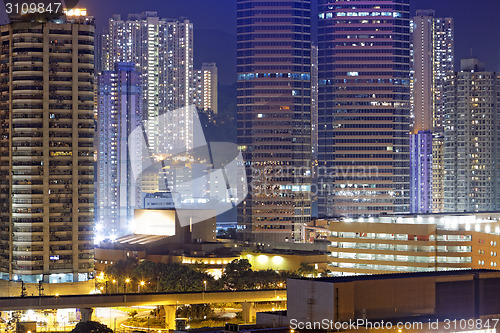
x: 401, y: 275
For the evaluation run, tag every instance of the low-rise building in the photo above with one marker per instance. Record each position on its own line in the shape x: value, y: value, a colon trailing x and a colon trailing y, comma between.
x: 287, y: 261
x: 414, y: 243
x: 451, y: 301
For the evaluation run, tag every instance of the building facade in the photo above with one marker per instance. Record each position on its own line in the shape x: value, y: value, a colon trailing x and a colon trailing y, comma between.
x: 433, y: 58
x: 119, y: 113
x: 399, y: 302
x: 421, y: 172
x: 274, y: 117
x: 471, y: 138
x: 363, y: 107
x: 46, y: 150
x: 438, y: 172
x: 162, y: 49
x: 206, y: 83
x: 415, y: 243
x: 314, y: 101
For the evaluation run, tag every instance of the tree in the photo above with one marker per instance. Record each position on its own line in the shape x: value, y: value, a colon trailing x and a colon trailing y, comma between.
x: 133, y: 313
x: 161, y: 277
x: 268, y: 279
x: 288, y: 275
x: 238, y: 275
x: 229, y: 233
x: 122, y: 268
x: 91, y: 327
x: 195, y: 311
x: 307, y: 270
x: 178, y: 277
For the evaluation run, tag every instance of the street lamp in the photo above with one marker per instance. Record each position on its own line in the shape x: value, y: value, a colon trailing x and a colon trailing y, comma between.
x: 205, y: 284
x: 127, y: 280
x: 140, y: 285
x: 114, y: 282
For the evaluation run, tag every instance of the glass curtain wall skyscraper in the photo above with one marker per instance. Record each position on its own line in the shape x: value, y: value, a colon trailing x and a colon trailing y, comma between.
x: 274, y: 117
x: 363, y: 107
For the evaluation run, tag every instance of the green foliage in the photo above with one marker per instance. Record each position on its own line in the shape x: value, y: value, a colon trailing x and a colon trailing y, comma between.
x: 238, y: 275
x: 178, y: 277
x: 143, y: 322
x: 307, y: 270
x: 132, y: 313
x: 229, y: 233
x: 162, y: 277
x: 213, y: 322
x: 122, y: 268
x: 91, y: 327
x: 195, y: 311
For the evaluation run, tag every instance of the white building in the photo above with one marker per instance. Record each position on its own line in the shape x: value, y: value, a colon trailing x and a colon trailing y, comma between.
x: 162, y: 49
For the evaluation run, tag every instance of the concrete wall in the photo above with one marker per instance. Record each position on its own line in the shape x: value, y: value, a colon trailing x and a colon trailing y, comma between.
x: 392, y: 298
x: 12, y: 288
x: 287, y: 262
x: 106, y: 257
x: 272, y: 319
x: 309, y: 300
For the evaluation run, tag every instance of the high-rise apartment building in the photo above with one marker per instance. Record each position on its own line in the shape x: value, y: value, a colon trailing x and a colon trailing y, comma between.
x: 363, y: 107
x: 438, y: 173
x: 421, y: 171
x: 444, y: 60
x: 274, y: 117
x: 433, y: 59
x: 46, y: 150
x: 471, y: 138
x: 120, y: 112
x: 162, y: 49
x: 423, y: 112
x: 205, y: 85
x: 314, y: 100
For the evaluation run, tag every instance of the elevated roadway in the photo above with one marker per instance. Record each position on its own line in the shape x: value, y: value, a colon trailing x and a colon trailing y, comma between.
x: 170, y: 301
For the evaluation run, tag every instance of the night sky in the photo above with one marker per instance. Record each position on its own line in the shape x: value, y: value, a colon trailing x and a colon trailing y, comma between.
x: 477, y: 26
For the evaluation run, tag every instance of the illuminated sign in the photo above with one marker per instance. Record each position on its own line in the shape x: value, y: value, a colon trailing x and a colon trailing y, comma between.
x: 76, y: 12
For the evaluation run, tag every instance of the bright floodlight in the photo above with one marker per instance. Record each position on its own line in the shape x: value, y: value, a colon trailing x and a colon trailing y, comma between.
x: 154, y: 222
